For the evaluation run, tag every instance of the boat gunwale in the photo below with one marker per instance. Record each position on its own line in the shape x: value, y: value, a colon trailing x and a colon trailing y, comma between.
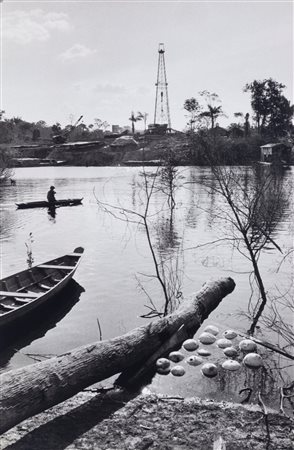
x: 6, y: 317
x: 45, y: 204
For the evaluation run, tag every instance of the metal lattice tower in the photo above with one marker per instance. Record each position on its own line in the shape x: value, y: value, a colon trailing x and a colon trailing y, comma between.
x: 161, y: 113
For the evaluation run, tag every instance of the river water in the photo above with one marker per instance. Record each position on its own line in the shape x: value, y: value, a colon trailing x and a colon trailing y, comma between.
x: 115, y: 270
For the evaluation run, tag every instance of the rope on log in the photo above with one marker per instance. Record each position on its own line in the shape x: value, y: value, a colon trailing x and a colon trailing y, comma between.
x: 32, y: 389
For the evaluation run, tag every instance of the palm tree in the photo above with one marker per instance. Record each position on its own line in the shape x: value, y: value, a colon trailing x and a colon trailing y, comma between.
x: 213, y: 112
x: 134, y: 119
x: 144, y: 117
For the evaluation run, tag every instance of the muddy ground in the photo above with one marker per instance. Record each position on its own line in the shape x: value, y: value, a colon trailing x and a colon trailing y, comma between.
x: 118, y: 421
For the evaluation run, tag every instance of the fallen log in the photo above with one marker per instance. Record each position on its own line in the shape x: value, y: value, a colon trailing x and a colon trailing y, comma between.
x: 130, y: 377
x: 29, y: 390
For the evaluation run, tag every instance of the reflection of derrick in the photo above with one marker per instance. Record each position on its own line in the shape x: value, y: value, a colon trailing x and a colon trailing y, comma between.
x: 161, y: 113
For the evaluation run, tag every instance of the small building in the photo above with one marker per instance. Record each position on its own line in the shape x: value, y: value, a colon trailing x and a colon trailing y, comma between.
x: 158, y: 129
x: 275, y: 153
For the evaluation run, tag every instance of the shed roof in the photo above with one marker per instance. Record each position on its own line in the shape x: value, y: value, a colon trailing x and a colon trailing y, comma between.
x: 124, y: 140
x: 269, y: 145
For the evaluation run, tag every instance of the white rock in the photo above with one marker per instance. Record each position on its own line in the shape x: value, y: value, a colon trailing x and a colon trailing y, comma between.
x: 207, y: 338
x: 190, y: 345
x: 253, y: 360
x: 163, y: 371
x: 176, y: 356
x: 178, y: 371
x: 194, y: 360
x: 230, y: 364
x: 209, y: 370
x: 223, y: 343
x: 229, y: 334
x: 230, y: 351
x: 162, y: 363
x: 211, y: 329
x: 203, y: 352
x: 247, y: 345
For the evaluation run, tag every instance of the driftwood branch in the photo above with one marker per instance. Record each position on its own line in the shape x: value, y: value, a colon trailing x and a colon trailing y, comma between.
x: 29, y: 390
x: 268, y: 345
x: 265, y: 412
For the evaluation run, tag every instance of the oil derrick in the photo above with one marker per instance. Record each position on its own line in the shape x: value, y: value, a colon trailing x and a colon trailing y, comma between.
x: 161, y: 113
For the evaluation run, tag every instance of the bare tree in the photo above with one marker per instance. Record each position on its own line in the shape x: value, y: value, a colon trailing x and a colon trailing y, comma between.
x: 167, y: 271
x: 253, y: 213
x: 170, y: 176
x: 100, y: 124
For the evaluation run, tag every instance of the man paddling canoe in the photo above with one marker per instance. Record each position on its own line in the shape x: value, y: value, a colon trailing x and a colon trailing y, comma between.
x: 51, y: 196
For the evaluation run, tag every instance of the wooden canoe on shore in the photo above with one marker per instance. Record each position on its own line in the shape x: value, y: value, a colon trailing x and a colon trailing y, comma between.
x: 44, y: 204
x: 25, y: 291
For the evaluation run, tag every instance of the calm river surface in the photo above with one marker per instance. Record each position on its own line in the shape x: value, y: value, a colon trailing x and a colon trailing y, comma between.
x: 117, y: 258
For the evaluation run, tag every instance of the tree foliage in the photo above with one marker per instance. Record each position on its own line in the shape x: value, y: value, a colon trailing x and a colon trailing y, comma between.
x: 101, y: 124
x: 273, y: 111
x: 6, y: 171
x: 213, y: 108
x: 212, y: 112
x: 193, y: 107
x: 209, y: 112
x: 135, y: 118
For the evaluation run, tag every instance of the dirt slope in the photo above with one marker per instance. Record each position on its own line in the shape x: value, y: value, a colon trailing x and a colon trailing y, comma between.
x: 116, y: 421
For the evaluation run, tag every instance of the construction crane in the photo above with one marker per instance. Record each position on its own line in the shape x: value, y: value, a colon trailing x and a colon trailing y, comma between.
x: 62, y: 138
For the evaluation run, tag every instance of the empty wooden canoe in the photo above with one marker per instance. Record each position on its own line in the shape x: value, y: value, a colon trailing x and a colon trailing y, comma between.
x: 25, y: 291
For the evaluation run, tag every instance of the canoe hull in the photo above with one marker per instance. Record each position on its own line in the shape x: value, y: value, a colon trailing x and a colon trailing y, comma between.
x: 24, y: 310
x: 44, y: 204
x: 15, y: 308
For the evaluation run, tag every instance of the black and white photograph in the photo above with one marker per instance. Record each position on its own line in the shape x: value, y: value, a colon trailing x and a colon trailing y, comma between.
x: 147, y: 211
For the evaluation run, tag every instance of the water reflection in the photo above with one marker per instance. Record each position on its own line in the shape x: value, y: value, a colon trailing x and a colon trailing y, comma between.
x: 272, y: 204
x: 213, y: 206
x: 168, y: 239
x: 134, y: 192
x: 38, y: 323
x: 259, y: 195
x: 8, y: 221
x: 192, y: 188
x: 52, y: 214
x: 110, y: 260
x: 241, y: 386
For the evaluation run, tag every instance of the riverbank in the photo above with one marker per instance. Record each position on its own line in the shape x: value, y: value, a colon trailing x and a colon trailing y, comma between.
x: 117, y: 420
x: 106, y: 152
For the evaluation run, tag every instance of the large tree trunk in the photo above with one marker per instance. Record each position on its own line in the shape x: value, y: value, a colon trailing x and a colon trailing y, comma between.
x: 32, y: 389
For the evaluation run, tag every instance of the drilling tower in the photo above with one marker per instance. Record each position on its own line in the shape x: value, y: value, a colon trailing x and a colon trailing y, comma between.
x: 161, y: 113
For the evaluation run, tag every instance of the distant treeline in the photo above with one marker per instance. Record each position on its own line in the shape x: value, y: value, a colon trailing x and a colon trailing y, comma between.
x: 19, y: 131
x: 269, y: 121
x: 240, y: 142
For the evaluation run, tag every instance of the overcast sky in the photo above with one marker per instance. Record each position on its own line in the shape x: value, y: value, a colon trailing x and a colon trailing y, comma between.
x: 99, y: 59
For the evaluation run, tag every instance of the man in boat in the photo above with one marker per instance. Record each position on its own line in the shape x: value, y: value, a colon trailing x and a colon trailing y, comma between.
x: 51, y: 196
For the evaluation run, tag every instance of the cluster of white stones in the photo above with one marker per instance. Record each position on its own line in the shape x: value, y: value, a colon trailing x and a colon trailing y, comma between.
x: 207, y: 338
x: 208, y: 369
